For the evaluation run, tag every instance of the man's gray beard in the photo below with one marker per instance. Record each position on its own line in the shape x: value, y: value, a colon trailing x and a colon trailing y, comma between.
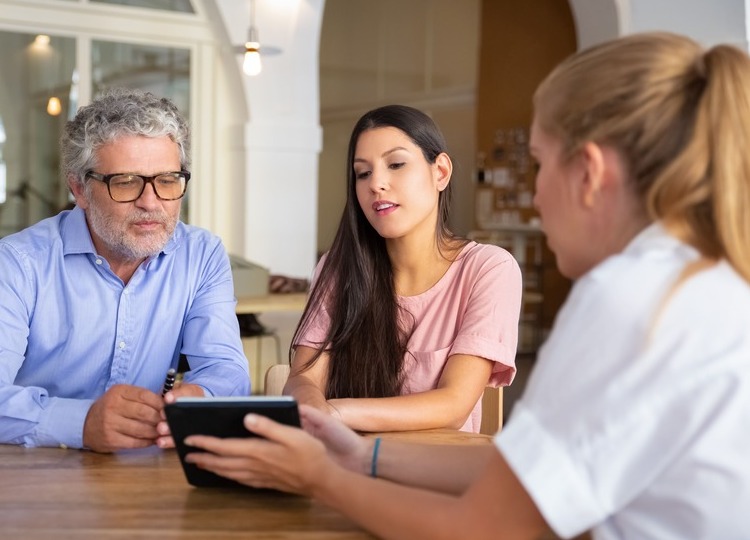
x: 114, y: 233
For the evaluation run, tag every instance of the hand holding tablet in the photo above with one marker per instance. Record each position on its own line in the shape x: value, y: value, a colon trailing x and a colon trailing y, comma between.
x: 221, y: 417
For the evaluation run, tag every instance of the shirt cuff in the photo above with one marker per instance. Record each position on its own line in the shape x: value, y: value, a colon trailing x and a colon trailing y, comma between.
x: 61, y: 423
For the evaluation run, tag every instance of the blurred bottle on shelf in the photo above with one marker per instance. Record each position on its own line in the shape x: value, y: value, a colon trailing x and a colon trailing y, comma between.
x: 501, y: 172
x: 481, y: 169
x: 508, y: 177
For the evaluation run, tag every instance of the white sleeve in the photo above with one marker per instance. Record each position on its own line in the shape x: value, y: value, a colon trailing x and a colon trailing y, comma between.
x: 611, y: 425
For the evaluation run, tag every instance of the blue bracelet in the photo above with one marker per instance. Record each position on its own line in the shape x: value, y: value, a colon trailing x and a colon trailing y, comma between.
x: 374, y: 465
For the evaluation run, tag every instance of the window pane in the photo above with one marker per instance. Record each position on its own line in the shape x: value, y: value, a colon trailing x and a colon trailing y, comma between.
x: 38, y: 73
x: 163, y: 71
x: 3, y: 168
x: 182, y: 6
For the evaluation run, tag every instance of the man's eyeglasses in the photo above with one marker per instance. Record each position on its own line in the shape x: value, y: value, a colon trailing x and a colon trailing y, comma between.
x: 126, y: 187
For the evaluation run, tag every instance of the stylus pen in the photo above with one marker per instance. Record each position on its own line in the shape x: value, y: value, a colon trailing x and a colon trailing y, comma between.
x: 169, y: 381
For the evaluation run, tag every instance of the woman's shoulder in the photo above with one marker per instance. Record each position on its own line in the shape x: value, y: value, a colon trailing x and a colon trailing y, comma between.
x: 482, y: 266
x: 485, y: 256
x: 649, y: 272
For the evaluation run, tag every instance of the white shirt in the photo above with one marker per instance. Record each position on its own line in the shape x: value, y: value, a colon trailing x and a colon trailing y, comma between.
x: 634, y: 431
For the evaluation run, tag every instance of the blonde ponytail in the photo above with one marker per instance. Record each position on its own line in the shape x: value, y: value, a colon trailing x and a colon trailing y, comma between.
x: 727, y: 105
x: 679, y: 116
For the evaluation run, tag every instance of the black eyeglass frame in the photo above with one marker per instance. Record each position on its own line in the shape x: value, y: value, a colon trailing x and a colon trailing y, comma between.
x: 106, y: 178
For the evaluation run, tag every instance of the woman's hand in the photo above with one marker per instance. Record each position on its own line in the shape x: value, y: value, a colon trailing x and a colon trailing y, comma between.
x: 283, y: 457
x: 344, y: 446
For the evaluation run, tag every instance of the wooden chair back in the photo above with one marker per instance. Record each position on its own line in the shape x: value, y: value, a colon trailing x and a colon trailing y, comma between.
x: 276, y: 377
x: 492, y: 410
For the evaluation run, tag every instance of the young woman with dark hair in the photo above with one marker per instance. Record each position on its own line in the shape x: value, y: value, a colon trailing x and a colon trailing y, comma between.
x: 406, y: 323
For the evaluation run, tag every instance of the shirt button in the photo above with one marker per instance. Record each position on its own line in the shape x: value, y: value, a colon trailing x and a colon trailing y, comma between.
x: 126, y: 291
x: 98, y: 261
x: 122, y: 345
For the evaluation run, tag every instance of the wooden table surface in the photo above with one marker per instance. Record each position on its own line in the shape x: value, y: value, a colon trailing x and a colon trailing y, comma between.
x: 62, y: 493
x: 271, y: 303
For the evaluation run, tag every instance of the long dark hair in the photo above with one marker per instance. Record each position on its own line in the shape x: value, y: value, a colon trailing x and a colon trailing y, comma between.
x: 367, y: 338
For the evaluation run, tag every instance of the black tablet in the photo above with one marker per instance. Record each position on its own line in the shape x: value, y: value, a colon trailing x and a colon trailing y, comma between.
x: 221, y: 417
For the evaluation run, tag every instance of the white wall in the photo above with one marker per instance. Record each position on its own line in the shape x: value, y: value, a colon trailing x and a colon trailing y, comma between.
x: 426, y: 56
x: 709, y: 22
x: 281, y: 135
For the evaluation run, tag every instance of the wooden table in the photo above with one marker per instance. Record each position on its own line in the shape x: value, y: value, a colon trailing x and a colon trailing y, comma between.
x: 72, y: 494
x: 271, y: 303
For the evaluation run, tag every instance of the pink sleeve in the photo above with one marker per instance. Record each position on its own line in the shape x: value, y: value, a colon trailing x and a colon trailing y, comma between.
x: 489, y: 327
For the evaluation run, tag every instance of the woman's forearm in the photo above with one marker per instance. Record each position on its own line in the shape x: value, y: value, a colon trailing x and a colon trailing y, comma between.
x: 425, y: 410
x: 461, y: 384
x: 494, y: 505
x: 444, y: 468
x: 306, y: 391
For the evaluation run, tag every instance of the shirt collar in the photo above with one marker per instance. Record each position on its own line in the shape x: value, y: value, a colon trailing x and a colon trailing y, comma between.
x: 75, y: 233
x: 656, y: 236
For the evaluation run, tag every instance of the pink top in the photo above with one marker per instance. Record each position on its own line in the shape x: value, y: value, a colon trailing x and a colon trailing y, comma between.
x: 473, y: 310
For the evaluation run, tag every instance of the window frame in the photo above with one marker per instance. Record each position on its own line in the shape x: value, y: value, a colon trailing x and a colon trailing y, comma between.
x: 86, y: 22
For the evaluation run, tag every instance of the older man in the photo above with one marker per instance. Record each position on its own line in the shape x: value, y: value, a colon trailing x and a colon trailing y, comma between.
x: 97, y: 303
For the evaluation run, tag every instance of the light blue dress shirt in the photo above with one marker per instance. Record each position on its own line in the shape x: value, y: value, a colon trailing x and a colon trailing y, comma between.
x: 70, y: 329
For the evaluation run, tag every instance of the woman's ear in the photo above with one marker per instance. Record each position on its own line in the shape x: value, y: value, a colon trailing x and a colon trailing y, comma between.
x: 594, y: 164
x: 444, y: 169
x: 604, y: 170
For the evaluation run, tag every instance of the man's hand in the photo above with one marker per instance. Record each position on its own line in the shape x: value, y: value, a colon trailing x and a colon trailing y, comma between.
x: 124, y: 417
x: 164, y: 439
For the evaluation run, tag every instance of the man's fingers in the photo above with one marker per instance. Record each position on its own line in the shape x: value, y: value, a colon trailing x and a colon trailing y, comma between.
x: 144, y: 396
x: 165, y: 442
x: 142, y: 413
x: 124, y: 417
x: 113, y: 439
x: 129, y: 423
x: 136, y: 429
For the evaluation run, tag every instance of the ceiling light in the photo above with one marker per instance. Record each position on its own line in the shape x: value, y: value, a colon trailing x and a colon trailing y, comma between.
x: 251, y: 65
x: 53, y: 106
x: 252, y: 49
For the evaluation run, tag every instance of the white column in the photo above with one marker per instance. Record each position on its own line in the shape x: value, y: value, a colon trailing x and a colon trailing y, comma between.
x: 282, y: 134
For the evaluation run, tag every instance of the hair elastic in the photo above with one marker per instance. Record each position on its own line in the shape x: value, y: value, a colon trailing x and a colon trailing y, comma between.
x: 374, y: 465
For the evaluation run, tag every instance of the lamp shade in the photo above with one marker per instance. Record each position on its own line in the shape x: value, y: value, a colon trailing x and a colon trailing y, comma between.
x: 251, y: 65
